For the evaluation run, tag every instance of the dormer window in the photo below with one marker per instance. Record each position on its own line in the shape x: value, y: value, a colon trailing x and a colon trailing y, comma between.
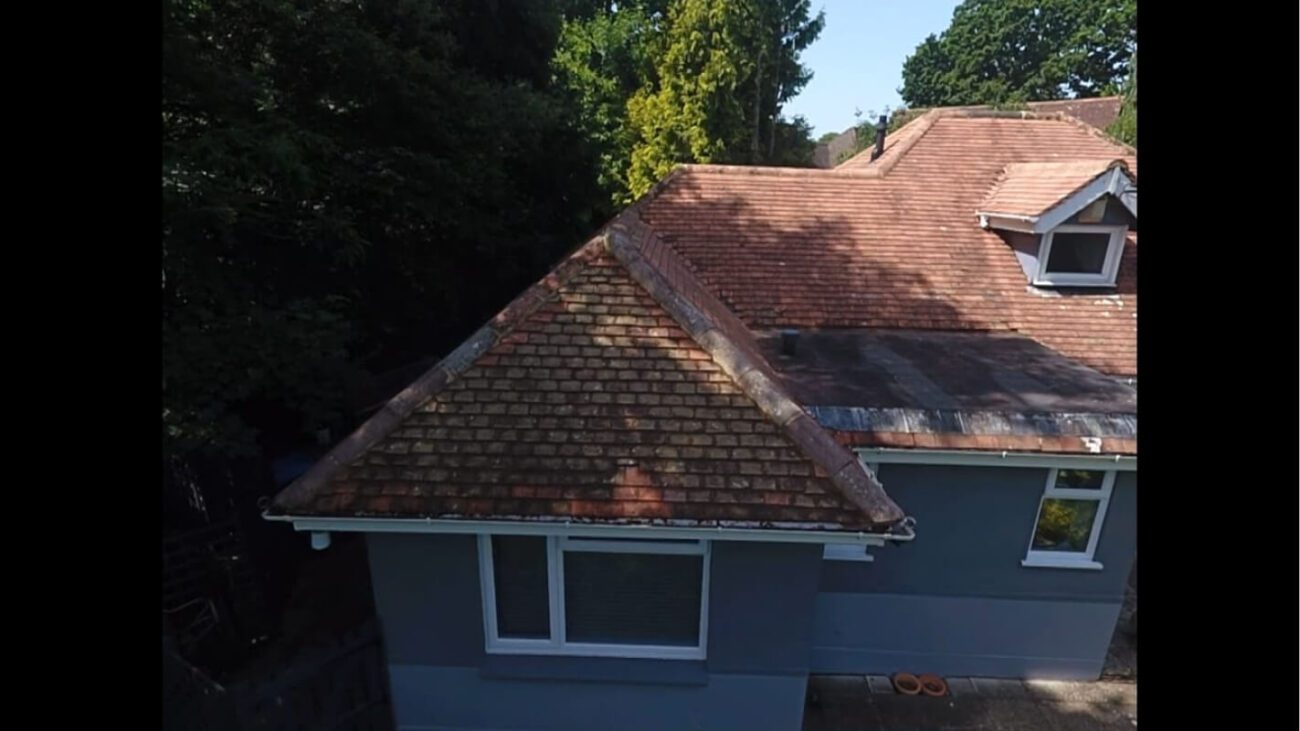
x: 1066, y: 221
x: 1080, y: 256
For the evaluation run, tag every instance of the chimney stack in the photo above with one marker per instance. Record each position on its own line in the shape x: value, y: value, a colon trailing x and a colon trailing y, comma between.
x: 880, y: 137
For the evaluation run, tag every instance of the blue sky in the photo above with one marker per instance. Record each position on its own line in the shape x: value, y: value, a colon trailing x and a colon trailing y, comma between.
x: 857, y: 62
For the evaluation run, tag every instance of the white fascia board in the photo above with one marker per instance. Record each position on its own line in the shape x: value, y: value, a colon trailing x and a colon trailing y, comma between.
x: 591, y: 530
x: 1005, y: 222
x: 1118, y: 462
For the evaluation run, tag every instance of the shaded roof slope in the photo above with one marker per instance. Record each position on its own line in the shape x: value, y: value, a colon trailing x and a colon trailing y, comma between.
x: 613, y: 391
x: 897, y: 245
x: 955, y: 390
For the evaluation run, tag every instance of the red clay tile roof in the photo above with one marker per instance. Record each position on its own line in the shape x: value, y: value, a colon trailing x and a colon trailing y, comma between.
x: 627, y: 386
x: 1029, y: 189
x: 896, y: 143
x: 592, y: 402
x: 1096, y: 112
x: 897, y: 244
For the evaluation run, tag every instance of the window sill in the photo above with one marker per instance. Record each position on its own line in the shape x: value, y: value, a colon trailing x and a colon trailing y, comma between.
x: 594, y: 669
x: 1060, y: 563
x: 848, y: 552
x: 1067, y: 283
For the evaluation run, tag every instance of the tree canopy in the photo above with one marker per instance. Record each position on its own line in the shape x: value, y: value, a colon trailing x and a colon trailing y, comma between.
x: 660, y: 83
x: 1124, y: 128
x: 350, y: 187
x: 1007, y: 51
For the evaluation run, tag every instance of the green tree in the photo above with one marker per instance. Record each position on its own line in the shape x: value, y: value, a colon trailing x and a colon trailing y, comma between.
x: 1124, y: 128
x: 345, y: 186
x: 604, y: 56
x: 724, y: 71
x: 1008, y: 51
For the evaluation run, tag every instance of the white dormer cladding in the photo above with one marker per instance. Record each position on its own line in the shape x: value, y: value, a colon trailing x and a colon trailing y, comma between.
x: 1075, y: 241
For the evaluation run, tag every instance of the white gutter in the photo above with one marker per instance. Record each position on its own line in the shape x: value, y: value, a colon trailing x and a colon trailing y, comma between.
x: 884, y: 455
x: 315, y: 524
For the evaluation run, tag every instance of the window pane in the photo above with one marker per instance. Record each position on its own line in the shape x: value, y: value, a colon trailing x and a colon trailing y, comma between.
x: 523, y: 606
x: 1078, y: 253
x: 632, y: 598
x: 1079, y: 479
x: 1064, y: 525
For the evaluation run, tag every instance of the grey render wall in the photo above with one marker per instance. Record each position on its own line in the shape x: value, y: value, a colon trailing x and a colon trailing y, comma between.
x: 760, y: 632
x: 956, y: 601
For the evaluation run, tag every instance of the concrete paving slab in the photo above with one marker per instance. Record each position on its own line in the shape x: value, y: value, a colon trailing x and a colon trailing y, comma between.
x: 960, y: 686
x: 881, y: 684
x: 1000, y: 687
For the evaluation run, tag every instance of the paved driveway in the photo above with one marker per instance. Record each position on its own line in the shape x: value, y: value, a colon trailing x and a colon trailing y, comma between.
x: 846, y: 703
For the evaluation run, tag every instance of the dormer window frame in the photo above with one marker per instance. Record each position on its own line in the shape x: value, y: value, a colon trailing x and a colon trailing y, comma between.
x: 1110, y: 266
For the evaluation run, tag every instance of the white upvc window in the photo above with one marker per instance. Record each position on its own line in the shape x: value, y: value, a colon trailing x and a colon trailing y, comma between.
x: 1070, y: 515
x: 557, y: 595
x: 1080, y: 256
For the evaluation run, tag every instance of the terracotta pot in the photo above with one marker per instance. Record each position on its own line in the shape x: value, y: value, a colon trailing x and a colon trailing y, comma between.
x: 933, y: 685
x: 907, y: 683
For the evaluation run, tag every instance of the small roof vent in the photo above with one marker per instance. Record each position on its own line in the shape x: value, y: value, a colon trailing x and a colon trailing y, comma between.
x: 789, y: 343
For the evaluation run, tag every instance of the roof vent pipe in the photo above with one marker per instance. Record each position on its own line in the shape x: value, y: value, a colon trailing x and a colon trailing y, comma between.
x: 789, y: 343
x: 880, y: 137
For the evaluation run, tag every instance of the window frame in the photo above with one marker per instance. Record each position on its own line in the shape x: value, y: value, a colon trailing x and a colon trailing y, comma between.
x: 557, y: 644
x: 1110, y: 266
x: 1071, y: 560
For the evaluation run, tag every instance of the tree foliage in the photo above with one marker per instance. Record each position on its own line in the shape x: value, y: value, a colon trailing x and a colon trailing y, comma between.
x: 1006, y: 51
x: 348, y: 184
x: 603, y: 58
x: 1124, y: 128
x: 349, y: 187
x: 659, y: 83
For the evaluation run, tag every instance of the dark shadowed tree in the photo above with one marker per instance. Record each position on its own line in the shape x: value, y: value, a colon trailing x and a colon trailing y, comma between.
x: 348, y: 185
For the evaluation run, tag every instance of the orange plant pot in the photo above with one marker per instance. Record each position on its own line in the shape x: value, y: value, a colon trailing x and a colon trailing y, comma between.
x: 907, y: 683
x: 933, y: 685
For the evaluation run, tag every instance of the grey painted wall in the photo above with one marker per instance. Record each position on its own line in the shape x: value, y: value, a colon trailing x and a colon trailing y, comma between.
x: 957, y: 601
x: 1026, y: 246
x: 762, y: 598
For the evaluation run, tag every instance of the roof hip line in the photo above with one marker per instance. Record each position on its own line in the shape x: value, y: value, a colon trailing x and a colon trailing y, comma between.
x: 625, y: 238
